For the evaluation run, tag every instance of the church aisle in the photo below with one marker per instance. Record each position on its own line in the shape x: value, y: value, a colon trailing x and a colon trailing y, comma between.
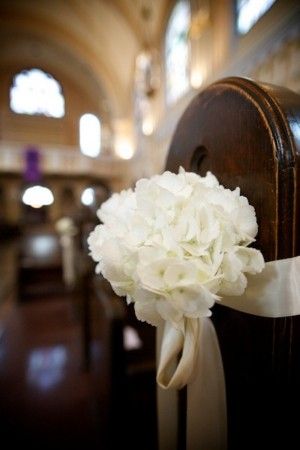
x: 45, y: 394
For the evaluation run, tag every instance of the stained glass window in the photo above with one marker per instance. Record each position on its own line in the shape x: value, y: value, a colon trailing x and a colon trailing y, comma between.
x: 177, y: 52
x: 249, y: 12
x: 35, y: 92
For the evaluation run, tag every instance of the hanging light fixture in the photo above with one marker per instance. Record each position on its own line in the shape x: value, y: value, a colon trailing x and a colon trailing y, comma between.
x: 147, y: 72
x: 37, y: 196
x: 148, y: 59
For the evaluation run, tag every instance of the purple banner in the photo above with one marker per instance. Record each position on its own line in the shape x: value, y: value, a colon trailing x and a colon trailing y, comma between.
x: 32, y: 172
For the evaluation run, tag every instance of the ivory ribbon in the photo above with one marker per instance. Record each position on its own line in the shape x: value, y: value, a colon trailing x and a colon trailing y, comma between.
x: 173, y: 343
x: 275, y: 292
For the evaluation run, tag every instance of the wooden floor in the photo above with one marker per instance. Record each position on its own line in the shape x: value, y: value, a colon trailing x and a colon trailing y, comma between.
x: 45, y: 395
x: 49, y: 398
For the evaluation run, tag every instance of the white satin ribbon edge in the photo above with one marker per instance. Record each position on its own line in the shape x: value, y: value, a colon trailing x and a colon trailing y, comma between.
x: 275, y: 292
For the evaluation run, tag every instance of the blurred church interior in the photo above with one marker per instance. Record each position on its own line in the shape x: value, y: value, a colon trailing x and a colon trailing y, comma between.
x: 91, y: 92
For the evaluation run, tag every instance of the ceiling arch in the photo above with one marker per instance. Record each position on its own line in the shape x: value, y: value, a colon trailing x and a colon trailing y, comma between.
x: 106, y: 52
x: 96, y: 41
x: 24, y: 51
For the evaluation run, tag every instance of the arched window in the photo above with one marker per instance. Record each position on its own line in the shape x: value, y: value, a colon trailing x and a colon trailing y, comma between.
x: 90, y: 135
x: 177, y: 51
x: 35, y: 92
x: 248, y: 12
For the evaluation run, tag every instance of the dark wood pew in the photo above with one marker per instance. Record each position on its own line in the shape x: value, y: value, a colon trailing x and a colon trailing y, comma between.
x: 122, y: 371
x: 247, y: 134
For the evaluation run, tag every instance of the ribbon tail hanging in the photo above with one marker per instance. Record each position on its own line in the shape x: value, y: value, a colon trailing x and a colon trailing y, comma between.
x: 200, y: 367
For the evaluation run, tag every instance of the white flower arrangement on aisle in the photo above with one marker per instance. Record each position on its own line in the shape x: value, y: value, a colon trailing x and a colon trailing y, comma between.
x: 176, y: 244
x: 65, y: 226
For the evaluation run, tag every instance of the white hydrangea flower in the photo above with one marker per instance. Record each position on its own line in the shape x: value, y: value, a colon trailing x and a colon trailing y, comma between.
x: 176, y: 244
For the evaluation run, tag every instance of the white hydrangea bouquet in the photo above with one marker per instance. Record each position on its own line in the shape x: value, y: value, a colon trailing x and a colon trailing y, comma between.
x: 175, y: 245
